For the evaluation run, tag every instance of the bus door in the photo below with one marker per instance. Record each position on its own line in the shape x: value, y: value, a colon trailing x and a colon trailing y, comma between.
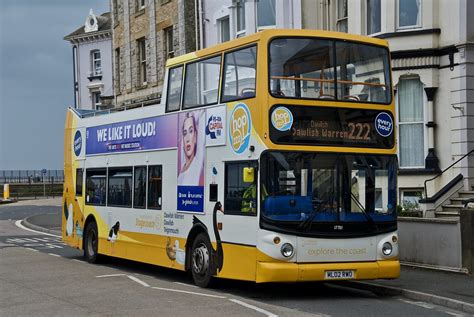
x: 240, y: 222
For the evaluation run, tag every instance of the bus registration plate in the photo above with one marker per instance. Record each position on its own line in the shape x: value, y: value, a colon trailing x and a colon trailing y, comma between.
x: 334, y: 275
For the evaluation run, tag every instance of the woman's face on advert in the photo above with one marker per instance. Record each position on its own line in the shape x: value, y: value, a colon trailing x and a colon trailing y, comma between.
x: 189, y: 137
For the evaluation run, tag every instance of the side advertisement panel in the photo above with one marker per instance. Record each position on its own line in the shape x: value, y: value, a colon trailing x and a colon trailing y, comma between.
x: 136, y: 135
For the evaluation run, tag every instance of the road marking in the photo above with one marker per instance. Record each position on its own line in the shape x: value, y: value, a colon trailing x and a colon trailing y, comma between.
x: 76, y: 260
x: 186, y: 284
x: 434, y: 307
x: 19, y: 225
x: 260, y: 310
x: 56, y: 255
x: 188, y: 292
x: 420, y: 304
x: 110, y: 275
x: 31, y: 249
x: 454, y: 314
x: 139, y: 281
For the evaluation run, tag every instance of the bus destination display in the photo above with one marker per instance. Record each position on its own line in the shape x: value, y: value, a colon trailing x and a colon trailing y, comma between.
x: 303, y: 125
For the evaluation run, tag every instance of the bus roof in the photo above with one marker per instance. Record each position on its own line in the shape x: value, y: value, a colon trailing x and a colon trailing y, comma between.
x: 265, y: 35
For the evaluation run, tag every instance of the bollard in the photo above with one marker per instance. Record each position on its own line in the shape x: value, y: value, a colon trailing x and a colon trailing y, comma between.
x: 6, y: 191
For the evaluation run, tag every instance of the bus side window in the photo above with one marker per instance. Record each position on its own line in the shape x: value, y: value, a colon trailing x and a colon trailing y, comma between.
x: 240, y: 197
x: 139, y: 185
x: 175, y: 82
x: 79, y: 181
x: 239, y: 74
x: 155, y: 182
x: 95, y: 186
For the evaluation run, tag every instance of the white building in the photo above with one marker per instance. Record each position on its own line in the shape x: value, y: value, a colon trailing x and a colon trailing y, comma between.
x: 92, y: 62
x: 432, y: 45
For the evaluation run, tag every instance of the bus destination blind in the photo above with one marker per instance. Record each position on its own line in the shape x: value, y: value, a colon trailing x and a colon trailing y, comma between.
x: 325, y: 126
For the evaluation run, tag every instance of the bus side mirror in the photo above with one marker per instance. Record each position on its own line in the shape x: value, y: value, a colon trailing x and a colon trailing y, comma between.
x: 249, y: 174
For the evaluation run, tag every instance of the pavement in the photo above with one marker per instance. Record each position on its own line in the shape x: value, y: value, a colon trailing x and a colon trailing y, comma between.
x: 448, y: 289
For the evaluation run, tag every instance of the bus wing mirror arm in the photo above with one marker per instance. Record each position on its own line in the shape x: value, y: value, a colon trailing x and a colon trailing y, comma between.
x: 218, y: 206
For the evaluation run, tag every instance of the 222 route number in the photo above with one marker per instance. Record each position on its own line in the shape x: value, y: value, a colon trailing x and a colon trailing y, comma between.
x: 359, y: 131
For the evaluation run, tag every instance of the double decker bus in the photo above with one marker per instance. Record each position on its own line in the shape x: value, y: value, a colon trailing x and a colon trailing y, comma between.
x: 271, y: 158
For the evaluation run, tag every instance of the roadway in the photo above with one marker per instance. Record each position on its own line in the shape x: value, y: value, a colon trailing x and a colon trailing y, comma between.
x: 39, y: 275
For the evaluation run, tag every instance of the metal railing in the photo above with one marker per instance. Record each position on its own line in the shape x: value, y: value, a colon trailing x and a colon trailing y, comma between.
x: 31, y: 176
x: 442, y: 172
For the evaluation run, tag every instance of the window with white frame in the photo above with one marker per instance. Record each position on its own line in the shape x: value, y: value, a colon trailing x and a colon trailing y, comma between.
x: 169, y: 42
x: 141, y: 4
x: 374, y: 12
x: 96, y: 66
x: 224, y: 29
x: 341, y: 23
x: 409, y: 13
x: 411, y: 123
x: 409, y: 198
x: 240, y: 17
x: 141, y: 45
x: 96, y: 100
x: 266, y: 14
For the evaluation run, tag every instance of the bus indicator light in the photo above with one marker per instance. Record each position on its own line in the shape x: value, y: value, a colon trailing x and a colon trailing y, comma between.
x: 282, y: 119
x: 240, y: 128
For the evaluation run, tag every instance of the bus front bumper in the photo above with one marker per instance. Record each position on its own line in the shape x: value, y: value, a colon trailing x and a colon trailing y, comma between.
x: 300, y: 272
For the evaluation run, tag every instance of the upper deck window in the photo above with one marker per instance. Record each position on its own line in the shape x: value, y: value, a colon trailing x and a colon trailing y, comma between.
x: 202, y: 82
x: 310, y: 68
x: 175, y: 82
x: 239, y: 74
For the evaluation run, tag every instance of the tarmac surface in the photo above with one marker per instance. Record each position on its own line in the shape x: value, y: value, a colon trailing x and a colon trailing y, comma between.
x: 448, y: 289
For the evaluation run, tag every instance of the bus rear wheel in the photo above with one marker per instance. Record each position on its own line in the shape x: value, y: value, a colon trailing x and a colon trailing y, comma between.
x: 91, y: 243
x: 201, y: 260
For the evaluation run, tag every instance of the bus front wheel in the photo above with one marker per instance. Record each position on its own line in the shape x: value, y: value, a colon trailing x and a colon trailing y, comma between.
x: 201, y: 260
x: 91, y: 243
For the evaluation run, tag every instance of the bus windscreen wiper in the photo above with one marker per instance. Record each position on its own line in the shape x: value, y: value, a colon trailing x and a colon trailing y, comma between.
x: 359, y: 204
x: 308, y: 221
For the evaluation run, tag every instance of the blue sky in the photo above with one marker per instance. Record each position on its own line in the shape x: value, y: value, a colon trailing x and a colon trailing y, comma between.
x: 36, y: 85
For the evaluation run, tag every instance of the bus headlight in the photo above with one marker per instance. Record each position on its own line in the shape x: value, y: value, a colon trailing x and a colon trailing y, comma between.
x: 286, y: 250
x: 387, y: 248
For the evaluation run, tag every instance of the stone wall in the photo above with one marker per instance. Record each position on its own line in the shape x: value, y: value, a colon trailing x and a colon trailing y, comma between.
x: 150, y: 23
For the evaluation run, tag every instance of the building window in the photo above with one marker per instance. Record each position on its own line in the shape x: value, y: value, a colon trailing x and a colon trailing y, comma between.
x: 139, y: 186
x: 240, y: 197
x: 239, y: 74
x: 240, y: 10
x: 224, y: 30
x: 409, y: 199
x: 96, y: 67
x: 169, y: 42
x: 141, y: 4
x: 411, y: 123
x: 374, y: 12
x: 117, y: 69
x: 266, y: 14
x: 96, y: 187
x: 141, y: 43
x: 96, y: 103
x: 341, y: 23
x: 154, y: 187
x: 409, y: 13
x: 175, y: 83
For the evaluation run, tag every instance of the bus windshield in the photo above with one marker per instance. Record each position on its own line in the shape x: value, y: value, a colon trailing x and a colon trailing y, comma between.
x: 315, y: 68
x: 321, y: 187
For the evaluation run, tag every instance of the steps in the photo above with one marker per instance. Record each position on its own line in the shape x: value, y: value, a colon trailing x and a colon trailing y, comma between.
x: 452, y: 208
